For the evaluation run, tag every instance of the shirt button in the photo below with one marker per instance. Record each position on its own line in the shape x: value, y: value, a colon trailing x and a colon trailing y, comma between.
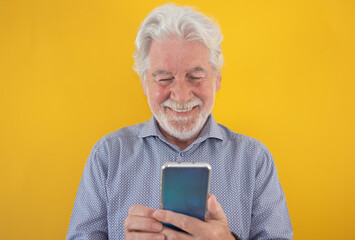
x: 182, y: 154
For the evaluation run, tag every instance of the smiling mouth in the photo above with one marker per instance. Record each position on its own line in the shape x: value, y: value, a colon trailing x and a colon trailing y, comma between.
x: 182, y: 110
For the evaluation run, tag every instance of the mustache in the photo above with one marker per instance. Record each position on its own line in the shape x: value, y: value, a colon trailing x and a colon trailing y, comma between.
x: 195, y: 101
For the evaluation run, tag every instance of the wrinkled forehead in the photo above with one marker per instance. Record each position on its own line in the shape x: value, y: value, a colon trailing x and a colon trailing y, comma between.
x: 176, y: 53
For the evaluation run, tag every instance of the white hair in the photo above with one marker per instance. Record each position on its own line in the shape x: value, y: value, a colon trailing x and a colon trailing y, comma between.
x: 184, y: 22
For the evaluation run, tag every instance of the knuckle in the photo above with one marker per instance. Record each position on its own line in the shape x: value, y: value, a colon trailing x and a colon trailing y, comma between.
x: 185, y: 223
x: 126, y: 223
x: 130, y: 210
x: 172, y: 236
x: 215, y: 234
x: 128, y: 236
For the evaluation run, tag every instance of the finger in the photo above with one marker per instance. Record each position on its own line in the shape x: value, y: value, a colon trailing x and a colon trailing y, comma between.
x: 172, y: 234
x: 144, y: 224
x: 215, y: 210
x: 144, y: 235
x: 139, y: 210
x: 188, y: 224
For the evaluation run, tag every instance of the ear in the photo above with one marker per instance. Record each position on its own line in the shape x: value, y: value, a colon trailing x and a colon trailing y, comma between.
x: 218, y: 81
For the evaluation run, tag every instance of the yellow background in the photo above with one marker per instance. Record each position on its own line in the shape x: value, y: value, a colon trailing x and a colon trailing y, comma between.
x: 66, y: 80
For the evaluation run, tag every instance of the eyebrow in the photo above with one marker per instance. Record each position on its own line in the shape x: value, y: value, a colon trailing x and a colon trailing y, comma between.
x: 158, y: 72
x: 197, y: 69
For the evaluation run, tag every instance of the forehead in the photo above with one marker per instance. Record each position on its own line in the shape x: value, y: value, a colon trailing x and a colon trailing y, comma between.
x: 176, y: 54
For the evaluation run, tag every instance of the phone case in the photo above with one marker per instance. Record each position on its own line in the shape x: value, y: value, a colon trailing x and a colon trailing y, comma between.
x: 185, y: 188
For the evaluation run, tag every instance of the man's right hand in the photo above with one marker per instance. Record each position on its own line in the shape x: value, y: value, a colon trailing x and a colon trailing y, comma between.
x: 140, y: 224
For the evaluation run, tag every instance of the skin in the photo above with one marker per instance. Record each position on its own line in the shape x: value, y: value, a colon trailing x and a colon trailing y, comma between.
x: 179, y: 70
x: 145, y: 223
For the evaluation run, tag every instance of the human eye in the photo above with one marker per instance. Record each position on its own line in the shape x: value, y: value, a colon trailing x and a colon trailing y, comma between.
x: 162, y: 77
x: 195, y: 78
x: 165, y: 80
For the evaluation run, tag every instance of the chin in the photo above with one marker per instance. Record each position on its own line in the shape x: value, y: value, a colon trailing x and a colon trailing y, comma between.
x: 177, y: 127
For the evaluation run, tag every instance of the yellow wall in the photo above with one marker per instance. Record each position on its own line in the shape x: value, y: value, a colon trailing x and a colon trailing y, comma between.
x: 66, y: 80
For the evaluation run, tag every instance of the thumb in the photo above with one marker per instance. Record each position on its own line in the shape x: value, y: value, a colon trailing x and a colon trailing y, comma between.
x: 215, y: 210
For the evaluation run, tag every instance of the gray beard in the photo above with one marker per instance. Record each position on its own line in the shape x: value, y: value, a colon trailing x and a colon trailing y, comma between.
x: 182, y: 133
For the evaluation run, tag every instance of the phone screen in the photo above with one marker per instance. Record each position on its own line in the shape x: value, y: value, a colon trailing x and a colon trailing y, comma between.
x: 185, y: 190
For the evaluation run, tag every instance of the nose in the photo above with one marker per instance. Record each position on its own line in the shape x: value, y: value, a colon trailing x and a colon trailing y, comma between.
x: 181, y: 90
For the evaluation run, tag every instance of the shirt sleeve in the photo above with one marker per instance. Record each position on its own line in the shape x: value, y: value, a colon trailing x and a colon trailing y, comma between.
x: 270, y: 218
x: 89, y: 220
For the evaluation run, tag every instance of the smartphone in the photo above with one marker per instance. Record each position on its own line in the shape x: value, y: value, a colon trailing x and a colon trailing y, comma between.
x: 185, y: 188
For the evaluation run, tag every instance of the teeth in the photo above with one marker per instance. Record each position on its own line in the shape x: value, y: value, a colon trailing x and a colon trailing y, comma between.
x: 182, y: 110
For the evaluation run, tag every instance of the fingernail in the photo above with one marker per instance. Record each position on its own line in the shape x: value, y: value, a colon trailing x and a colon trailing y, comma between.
x: 157, y: 226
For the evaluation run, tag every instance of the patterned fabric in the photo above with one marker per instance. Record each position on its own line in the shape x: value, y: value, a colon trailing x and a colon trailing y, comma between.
x: 124, y: 168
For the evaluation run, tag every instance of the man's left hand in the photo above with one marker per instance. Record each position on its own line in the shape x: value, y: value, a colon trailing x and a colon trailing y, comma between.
x: 215, y: 226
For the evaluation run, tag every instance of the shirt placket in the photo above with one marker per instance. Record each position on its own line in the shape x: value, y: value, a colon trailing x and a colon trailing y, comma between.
x: 181, y: 156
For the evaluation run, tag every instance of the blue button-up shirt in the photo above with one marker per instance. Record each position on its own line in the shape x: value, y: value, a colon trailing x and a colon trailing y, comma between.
x: 124, y: 168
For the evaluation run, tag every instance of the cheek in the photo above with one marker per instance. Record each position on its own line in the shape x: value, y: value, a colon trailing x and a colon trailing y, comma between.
x: 159, y: 95
x: 206, y: 94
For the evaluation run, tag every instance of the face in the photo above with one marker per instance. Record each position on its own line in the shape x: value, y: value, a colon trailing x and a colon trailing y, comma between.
x: 180, y: 85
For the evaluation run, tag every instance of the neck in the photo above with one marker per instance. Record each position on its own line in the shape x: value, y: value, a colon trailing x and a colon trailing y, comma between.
x: 182, y: 144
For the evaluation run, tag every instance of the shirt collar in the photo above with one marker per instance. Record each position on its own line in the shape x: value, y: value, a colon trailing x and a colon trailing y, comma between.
x: 150, y: 129
x: 210, y: 130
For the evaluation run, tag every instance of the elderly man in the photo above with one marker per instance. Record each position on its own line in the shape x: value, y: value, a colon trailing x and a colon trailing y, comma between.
x: 178, y: 58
